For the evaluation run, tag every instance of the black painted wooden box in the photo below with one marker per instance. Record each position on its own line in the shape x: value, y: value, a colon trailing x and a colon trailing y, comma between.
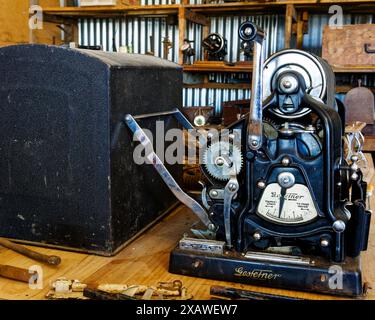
x: 60, y: 183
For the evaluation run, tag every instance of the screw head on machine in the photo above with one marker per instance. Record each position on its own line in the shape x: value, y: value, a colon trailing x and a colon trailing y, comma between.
x: 354, y: 176
x: 261, y: 184
x: 286, y: 180
x: 232, y: 187
x: 324, y: 243
x: 214, y: 193
x: 285, y: 161
x: 250, y: 155
x: 257, y: 236
x: 254, y: 143
x: 339, y: 226
x: 219, y: 161
x: 287, y: 84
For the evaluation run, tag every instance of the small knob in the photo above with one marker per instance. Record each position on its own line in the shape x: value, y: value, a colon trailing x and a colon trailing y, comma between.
x: 286, y: 180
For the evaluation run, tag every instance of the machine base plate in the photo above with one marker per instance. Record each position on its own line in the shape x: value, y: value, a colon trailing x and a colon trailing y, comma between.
x: 321, y: 276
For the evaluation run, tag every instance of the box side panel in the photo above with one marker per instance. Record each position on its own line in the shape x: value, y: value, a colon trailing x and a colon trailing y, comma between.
x: 139, y: 196
x: 54, y: 164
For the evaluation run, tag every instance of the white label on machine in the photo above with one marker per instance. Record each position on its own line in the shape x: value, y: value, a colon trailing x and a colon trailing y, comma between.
x: 295, y: 207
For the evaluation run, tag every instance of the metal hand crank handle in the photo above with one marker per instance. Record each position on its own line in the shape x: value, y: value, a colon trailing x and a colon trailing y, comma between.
x: 255, y: 125
x: 141, y: 136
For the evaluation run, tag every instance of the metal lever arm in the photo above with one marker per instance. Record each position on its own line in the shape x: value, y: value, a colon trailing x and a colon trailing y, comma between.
x: 230, y: 192
x: 165, y: 174
x: 255, y: 127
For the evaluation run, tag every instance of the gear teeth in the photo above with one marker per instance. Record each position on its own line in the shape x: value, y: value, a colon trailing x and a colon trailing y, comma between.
x: 213, y: 152
x: 269, y: 121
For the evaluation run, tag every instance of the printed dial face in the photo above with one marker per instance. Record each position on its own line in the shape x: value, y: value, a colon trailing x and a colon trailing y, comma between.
x: 287, y: 206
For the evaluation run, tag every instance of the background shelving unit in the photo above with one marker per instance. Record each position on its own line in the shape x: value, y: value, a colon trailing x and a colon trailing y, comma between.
x: 296, y: 13
x: 296, y: 19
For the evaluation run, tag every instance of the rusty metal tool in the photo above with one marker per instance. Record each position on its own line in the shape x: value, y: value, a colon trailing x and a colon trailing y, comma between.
x: 95, y: 294
x: 18, y: 274
x: 51, y: 260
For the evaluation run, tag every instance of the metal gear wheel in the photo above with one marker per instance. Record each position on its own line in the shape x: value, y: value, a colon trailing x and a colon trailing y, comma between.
x: 219, y: 159
x: 270, y: 128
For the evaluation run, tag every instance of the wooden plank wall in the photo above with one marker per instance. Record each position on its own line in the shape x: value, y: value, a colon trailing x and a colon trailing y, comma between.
x: 14, y: 23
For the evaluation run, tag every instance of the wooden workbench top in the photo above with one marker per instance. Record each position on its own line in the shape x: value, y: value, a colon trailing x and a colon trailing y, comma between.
x: 145, y: 261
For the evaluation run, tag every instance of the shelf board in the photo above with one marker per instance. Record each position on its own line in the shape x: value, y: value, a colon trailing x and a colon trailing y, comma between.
x: 209, y: 9
x: 111, y: 11
x: 274, y: 6
x: 354, y: 69
x: 215, y: 85
x: 244, y: 86
x: 221, y: 67
x: 210, y: 66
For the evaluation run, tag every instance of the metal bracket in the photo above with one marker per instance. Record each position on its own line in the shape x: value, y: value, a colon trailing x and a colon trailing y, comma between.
x: 230, y: 191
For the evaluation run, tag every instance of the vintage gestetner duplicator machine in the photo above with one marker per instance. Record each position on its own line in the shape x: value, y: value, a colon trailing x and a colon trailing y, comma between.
x: 282, y: 205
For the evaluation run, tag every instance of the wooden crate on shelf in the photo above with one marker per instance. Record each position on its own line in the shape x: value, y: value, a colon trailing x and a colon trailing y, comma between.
x: 351, y: 46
